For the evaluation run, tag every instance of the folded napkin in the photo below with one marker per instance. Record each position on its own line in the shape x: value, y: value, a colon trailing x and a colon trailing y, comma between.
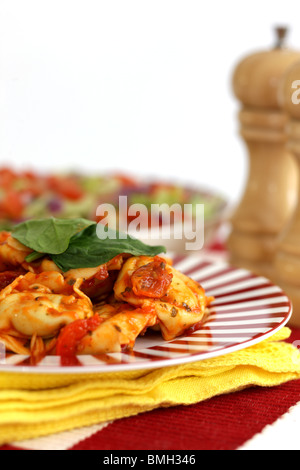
x: 33, y: 405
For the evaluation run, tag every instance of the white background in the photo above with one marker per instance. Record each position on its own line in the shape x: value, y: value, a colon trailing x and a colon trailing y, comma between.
x: 137, y: 85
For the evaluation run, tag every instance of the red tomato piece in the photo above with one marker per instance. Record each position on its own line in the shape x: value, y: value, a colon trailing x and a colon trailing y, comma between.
x: 67, y: 187
x: 7, y: 178
x: 72, y: 334
x: 12, y: 205
x: 152, y: 279
x: 125, y: 180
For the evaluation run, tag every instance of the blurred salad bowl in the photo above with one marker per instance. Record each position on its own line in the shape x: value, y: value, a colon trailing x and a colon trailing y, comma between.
x: 26, y: 195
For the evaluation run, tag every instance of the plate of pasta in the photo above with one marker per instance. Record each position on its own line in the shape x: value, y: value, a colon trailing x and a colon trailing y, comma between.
x: 71, y: 302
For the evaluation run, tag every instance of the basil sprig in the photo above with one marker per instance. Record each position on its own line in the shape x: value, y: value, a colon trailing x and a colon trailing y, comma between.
x: 74, y: 243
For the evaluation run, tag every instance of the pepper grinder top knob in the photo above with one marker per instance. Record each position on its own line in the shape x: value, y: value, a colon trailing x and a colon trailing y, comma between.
x: 281, y: 34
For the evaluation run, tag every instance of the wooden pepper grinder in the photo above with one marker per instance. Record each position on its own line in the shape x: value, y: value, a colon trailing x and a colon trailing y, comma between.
x: 287, y: 259
x: 271, y: 190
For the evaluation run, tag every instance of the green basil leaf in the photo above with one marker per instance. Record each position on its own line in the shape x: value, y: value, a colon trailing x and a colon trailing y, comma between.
x: 87, y: 250
x: 50, y: 235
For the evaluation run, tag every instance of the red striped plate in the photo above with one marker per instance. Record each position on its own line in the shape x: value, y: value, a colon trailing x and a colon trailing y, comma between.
x: 247, y: 309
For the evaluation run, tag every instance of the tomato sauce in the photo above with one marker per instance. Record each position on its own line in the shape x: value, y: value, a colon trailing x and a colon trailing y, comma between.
x: 7, y: 277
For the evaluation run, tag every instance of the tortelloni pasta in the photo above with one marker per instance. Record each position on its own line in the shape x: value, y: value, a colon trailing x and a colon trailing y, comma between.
x: 44, y: 310
x: 178, y: 301
x: 35, y: 307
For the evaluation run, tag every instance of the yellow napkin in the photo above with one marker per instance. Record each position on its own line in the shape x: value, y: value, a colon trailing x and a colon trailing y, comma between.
x: 33, y: 405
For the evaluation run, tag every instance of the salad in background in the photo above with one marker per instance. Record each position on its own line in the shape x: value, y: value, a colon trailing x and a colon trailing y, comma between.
x: 26, y: 194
